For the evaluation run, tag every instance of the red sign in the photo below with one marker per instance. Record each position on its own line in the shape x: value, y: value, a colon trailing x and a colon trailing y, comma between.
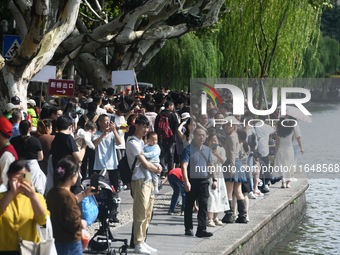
x: 61, y: 87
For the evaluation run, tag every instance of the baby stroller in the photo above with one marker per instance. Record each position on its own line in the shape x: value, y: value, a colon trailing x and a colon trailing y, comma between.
x: 108, y: 202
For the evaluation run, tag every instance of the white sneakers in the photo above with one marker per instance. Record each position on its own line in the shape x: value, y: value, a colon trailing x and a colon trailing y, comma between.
x: 149, y: 247
x: 251, y: 195
x: 143, y: 248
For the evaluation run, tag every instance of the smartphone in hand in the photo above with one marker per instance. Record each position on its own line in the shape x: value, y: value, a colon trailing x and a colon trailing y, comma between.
x: 94, y: 182
x: 112, y: 119
x: 27, y: 177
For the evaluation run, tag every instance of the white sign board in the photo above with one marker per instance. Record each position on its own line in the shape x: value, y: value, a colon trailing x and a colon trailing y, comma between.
x: 126, y: 77
x: 48, y: 72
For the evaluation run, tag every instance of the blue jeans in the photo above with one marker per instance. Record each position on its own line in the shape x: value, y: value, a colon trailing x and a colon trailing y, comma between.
x: 69, y: 248
x: 178, y: 186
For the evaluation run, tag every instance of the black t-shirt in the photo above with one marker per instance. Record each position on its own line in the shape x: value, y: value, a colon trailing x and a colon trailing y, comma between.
x: 81, y: 122
x: 27, y: 147
x: 62, y: 145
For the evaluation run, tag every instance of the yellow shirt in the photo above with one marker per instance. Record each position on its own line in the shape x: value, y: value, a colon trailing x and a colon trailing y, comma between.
x: 18, y: 221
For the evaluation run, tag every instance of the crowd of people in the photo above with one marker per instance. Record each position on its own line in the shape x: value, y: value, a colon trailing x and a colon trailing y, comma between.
x: 164, y: 136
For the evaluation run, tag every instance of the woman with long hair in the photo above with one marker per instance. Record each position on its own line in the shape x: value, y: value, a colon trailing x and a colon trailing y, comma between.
x: 234, y: 176
x: 44, y: 135
x: 284, y: 156
x: 63, y: 205
x: 29, y: 148
x: 218, y: 199
x: 185, y: 131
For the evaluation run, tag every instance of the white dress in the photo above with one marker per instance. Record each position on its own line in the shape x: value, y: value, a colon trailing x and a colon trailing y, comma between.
x: 284, y: 157
x: 218, y: 199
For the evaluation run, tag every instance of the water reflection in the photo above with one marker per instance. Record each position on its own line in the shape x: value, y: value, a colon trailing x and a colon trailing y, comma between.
x: 319, y: 232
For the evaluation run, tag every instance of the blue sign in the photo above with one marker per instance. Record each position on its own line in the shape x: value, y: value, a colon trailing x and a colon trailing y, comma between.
x: 10, y: 46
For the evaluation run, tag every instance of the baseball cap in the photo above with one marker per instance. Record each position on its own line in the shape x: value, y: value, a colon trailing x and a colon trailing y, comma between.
x: 15, y: 100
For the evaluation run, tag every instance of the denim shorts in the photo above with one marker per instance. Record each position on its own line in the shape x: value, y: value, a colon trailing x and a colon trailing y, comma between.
x: 69, y: 248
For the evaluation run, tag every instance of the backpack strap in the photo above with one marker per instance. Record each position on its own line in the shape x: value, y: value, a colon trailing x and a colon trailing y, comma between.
x: 135, y: 161
x: 134, y: 164
x: 86, y: 118
x: 95, y: 118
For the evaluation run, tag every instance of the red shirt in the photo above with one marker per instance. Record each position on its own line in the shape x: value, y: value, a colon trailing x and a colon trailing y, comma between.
x: 177, y: 172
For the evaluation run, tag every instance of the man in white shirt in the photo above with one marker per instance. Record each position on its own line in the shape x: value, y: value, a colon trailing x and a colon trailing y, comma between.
x: 142, y: 192
x: 105, y: 140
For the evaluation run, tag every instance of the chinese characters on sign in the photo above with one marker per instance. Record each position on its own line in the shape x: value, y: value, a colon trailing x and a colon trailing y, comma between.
x: 63, y: 88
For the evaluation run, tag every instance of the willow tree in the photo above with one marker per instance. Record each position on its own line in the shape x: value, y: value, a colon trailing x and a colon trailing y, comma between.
x: 103, y: 36
x: 181, y: 59
x: 266, y: 38
x: 269, y: 38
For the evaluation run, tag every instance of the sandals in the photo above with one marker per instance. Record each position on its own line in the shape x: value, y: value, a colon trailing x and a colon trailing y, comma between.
x: 285, y: 185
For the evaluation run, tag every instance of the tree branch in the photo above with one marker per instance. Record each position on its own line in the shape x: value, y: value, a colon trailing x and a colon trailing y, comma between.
x: 52, y: 39
x: 276, y: 38
x: 94, y: 12
x: 20, y: 9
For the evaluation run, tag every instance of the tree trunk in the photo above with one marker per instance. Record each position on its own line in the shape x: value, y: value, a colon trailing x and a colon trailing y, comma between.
x: 100, y: 75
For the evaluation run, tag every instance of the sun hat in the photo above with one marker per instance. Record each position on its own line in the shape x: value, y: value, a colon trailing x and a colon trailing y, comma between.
x: 185, y: 115
x: 31, y: 102
x: 10, y: 106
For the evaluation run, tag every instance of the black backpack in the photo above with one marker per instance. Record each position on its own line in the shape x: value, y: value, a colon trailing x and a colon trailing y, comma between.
x: 124, y: 169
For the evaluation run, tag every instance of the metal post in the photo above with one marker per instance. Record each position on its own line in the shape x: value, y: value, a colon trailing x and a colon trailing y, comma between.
x: 41, y: 89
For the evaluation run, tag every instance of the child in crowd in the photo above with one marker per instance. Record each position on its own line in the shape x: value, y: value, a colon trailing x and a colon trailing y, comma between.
x: 152, y: 151
x: 85, y: 135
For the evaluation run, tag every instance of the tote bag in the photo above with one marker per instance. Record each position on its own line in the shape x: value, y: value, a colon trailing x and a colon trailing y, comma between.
x: 46, y: 245
x: 89, y: 209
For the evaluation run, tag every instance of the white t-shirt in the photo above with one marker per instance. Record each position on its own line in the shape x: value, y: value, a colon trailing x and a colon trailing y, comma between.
x: 134, y: 147
x: 6, y: 159
x: 100, y: 111
x: 105, y: 155
x: 263, y: 134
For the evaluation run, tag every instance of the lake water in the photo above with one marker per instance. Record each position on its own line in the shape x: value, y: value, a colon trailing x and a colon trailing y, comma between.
x: 319, y: 232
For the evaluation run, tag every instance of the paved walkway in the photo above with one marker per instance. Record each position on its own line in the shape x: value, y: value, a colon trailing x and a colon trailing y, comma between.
x: 166, y: 232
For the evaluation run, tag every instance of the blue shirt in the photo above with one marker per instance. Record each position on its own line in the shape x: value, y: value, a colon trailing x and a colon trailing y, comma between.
x: 105, y: 155
x: 152, y: 153
x: 198, y: 159
x: 15, y: 130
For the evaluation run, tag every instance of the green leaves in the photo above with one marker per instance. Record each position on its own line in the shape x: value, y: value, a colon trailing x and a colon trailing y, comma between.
x: 254, y: 38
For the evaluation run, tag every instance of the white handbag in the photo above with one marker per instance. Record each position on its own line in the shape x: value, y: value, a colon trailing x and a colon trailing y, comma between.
x: 46, y: 245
